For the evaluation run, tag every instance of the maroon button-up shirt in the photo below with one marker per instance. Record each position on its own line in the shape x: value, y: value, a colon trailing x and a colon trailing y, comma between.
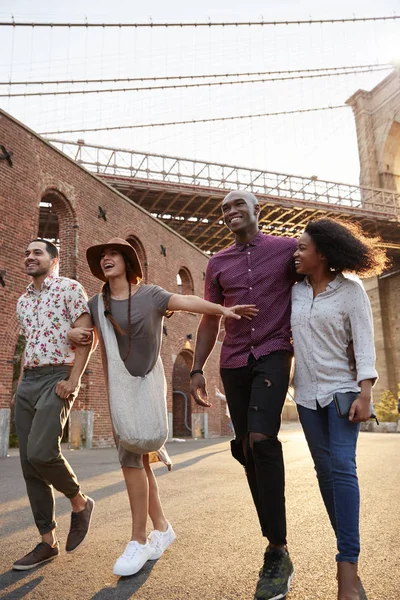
x: 259, y: 272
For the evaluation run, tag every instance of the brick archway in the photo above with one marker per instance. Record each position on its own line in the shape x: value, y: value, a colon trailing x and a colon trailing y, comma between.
x: 57, y: 222
x: 181, y: 399
x: 391, y: 158
x: 185, y: 282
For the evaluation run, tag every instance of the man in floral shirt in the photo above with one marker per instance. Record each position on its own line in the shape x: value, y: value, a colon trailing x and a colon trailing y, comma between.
x: 50, y: 381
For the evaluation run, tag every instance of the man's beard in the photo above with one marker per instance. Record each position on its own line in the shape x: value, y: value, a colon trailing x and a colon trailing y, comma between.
x: 37, y: 272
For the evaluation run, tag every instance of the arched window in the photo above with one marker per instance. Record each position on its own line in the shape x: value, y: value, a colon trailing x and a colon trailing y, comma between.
x: 390, y: 177
x: 58, y: 225
x: 49, y: 228
x: 184, y: 282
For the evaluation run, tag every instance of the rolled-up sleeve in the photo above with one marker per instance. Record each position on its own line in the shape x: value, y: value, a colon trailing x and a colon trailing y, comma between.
x: 76, y: 301
x: 160, y: 298
x: 212, y: 287
x: 362, y: 330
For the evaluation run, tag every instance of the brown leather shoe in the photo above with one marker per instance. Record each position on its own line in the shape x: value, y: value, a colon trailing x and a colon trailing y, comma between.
x: 80, y: 522
x: 348, y: 581
x: 42, y: 553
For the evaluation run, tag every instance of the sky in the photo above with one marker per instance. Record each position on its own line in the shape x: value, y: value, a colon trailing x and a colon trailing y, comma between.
x: 321, y: 144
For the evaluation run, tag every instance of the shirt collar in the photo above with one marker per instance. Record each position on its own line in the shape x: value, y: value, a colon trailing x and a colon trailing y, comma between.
x: 332, y: 284
x: 45, y: 285
x: 337, y: 281
x: 255, y: 241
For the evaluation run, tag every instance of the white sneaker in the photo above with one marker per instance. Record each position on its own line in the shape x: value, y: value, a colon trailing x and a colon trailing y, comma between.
x: 159, y: 541
x: 133, y: 559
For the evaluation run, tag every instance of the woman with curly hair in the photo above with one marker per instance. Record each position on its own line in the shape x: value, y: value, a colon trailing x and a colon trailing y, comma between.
x: 328, y: 312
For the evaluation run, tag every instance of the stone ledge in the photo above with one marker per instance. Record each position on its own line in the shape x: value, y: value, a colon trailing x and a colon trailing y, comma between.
x: 383, y: 427
x: 5, y: 414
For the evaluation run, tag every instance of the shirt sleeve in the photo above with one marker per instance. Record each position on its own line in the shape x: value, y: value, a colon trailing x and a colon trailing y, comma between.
x: 76, y: 301
x: 160, y: 299
x: 212, y: 287
x: 362, y: 329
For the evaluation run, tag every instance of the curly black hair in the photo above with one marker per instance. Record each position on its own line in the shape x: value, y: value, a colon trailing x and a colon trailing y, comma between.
x: 347, y: 248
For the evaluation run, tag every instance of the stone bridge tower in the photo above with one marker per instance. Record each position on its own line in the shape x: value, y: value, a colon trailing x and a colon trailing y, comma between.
x: 377, y: 117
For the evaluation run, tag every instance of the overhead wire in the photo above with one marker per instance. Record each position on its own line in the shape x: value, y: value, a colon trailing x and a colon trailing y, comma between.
x: 192, y: 121
x: 108, y: 100
x: 191, y: 85
x: 210, y: 23
x: 351, y: 68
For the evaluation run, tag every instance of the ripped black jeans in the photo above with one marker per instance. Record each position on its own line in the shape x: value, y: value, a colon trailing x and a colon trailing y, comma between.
x: 255, y: 395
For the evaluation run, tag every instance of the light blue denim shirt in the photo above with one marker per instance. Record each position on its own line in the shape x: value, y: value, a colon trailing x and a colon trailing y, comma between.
x: 322, y: 328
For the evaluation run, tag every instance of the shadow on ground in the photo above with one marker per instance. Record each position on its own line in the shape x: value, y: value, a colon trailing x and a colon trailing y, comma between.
x: 363, y: 595
x: 10, y: 578
x: 126, y: 586
x: 124, y: 590
x: 21, y: 517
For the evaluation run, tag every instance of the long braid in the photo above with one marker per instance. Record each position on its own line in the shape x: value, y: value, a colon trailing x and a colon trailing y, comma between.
x: 129, y: 332
x: 106, y: 293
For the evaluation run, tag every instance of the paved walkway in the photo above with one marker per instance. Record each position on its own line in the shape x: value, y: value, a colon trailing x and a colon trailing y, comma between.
x: 219, y: 547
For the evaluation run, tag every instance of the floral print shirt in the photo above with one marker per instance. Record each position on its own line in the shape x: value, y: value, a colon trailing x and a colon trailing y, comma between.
x: 46, y: 316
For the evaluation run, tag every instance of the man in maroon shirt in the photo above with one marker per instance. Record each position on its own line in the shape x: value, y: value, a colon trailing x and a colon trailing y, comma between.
x: 255, y: 367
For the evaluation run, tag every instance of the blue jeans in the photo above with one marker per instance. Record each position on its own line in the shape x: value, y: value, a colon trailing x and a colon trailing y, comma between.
x: 332, y: 442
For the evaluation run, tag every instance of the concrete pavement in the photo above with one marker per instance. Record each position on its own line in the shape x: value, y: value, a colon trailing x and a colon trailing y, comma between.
x: 219, y: 548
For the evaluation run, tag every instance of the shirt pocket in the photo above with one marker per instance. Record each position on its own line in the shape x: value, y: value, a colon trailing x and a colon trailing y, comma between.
x: 300, y: 314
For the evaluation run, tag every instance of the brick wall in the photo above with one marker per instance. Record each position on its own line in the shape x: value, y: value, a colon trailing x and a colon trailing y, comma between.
x: 39, y: 173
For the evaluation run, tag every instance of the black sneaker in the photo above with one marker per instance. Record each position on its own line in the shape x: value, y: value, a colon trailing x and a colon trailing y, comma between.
x: 275, y: 576
x: 41, y: 554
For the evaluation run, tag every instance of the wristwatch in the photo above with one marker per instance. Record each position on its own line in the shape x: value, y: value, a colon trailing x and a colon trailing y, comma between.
x: 196, y: 371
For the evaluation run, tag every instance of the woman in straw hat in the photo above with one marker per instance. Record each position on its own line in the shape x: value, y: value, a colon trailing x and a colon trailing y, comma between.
x: 128, y: 323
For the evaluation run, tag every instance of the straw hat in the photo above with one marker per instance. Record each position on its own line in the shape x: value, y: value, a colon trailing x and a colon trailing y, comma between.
x: 93, y: 256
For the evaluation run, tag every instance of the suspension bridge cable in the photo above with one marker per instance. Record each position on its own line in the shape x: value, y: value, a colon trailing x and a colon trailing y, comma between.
x: 204, y: 76
x: 193, y: 121
x: 189, y: 85
x: 151, y: 24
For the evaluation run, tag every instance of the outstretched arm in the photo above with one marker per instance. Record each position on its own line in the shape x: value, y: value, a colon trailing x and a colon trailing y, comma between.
x: 195, y: 304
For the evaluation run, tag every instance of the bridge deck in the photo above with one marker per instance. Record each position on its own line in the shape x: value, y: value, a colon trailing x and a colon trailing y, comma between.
x: 187, y: 194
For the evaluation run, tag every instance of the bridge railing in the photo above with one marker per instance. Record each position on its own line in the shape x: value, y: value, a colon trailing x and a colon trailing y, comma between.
x: 159, y: 168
